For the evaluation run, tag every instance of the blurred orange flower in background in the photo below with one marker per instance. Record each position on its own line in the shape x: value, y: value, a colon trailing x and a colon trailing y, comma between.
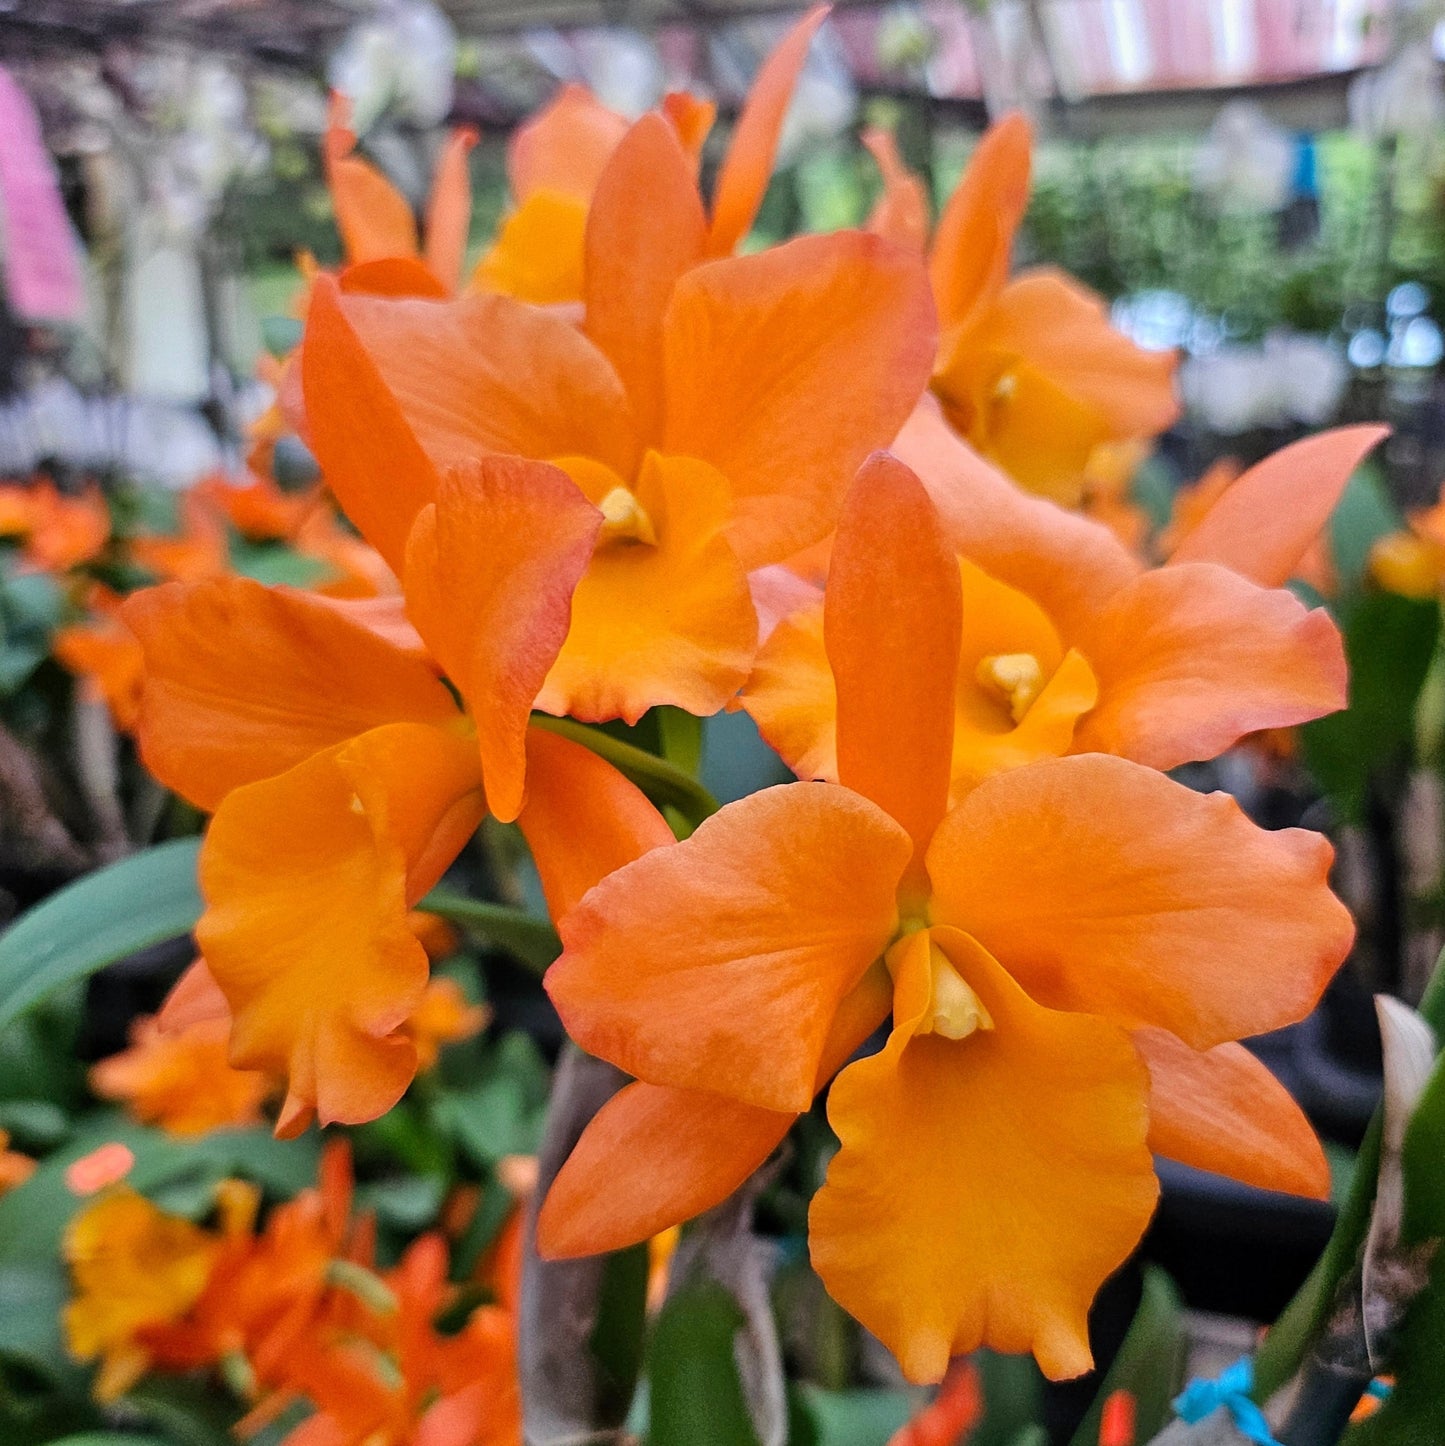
x: 15, y: 1168
x: 59, y: 530
x: 294, y: 1311
x: 182, y: 1081
x: 556, y: 162
x: 1029, y: 370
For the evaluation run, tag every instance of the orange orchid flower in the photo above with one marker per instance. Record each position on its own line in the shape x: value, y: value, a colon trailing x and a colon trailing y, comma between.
x: 101, y: 652
x: 181, y: 1081
x: 59, y: 531
x: 399, y: 1382
x: 702, y: 423
x: 344, y: 780
x: 1107, y: 491
x: 378, y: 229
x: 258, y: 508
x: 1412, y: 562
x: 134, y: 1268
x: 556, y: 162
x: 1069, y: 953
x: 1029, y: 370
x: 266, y: 1288
x: 199, y: 551
x: 1070, y: 645
x: 15, y: 1168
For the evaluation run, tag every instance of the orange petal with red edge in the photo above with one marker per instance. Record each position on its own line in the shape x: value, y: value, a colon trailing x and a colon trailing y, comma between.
x: 375, y: 220
x: 1068, y: 564
x: 373, y: 463
x: 582, y: 819
x: 243, y: 682
x: 1222, y: 1110
x: 644, y: 230
x: 1105, y: 887
x: 786, y: 369
x: 985, y: 1187
x: 892, y: 620
x: 308, y: 878
x: 1191, y: 658
x: 975, y: 233
x: 669, y: 621
x: 393, y: 276
x: 490, y: 571
x: 449, y: 209
x: 1266, y: 519
x: 719, y: 963
x: 692, y: 118
x: 489, y: 374
x: 748, y: 165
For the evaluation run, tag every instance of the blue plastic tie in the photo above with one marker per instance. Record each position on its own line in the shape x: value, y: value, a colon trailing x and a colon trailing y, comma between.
x: 1201, y: 1398
x: 1379, y: 1389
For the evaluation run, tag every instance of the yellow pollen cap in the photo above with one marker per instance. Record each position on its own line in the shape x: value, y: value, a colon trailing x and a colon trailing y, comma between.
x: 624, y: 519
x: 1017, y: 677
x: 955, y: 1011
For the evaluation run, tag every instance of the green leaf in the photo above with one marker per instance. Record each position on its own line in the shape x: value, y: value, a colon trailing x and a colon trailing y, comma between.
x: 409, y: 1203
x: 504, y: 1111
x: 275, y: 565
x: 1389, y: 642
x: 530, y: 939
x: 107, y: 915
x: 280, y: 334
x: 190, y: 1411
x: 113, y: 1438
x: 1291, y: 1336
x: 1363, y: 515
x: 1150, y: 1363
x: 33, y: 1124
x: 693, y: 1387
x: 856, y: 1418
x: 664, y: 783
x: 1414, y: 1415
x: 1013, y: 1391
x: 1423, y: 1162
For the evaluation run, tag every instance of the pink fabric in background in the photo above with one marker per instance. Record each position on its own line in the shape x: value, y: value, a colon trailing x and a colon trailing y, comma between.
x: 42, y: 265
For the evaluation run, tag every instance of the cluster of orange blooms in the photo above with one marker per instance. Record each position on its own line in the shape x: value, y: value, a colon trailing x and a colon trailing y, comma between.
x: 623, y: 466
x: 71, y: 536
x: 295, y: 1311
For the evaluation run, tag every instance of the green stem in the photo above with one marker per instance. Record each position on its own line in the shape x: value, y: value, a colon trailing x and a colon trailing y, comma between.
x: 531, y: 940
x: 663, y: 782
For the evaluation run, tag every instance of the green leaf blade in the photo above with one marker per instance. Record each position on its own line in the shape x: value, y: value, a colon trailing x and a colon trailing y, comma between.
x: 115, y: 912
